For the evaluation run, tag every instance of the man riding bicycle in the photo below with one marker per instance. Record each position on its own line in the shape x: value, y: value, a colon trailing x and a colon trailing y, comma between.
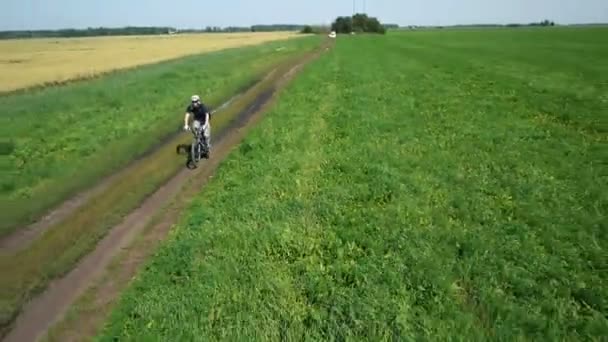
x: 201, y: 117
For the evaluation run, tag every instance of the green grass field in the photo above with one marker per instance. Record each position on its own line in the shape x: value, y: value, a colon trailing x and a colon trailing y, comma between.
x: 425, y: 185
x: 28, y: 271
x: 63, y: 139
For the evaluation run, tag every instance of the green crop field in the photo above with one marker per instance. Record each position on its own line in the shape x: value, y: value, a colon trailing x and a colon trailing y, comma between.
x: 83, y: 131
x: 421, y: 185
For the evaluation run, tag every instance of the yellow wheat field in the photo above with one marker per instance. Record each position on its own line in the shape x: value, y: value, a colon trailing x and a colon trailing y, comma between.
x: 30, y: 62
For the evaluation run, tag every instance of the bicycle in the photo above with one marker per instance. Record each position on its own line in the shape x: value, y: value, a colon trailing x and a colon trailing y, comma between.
x: 198, y: 148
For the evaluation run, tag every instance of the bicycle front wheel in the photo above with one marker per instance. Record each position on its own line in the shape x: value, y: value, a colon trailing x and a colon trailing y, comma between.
x: 196, y: 152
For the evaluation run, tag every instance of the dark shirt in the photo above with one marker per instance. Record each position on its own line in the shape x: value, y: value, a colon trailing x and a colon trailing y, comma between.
x: 199, y: 113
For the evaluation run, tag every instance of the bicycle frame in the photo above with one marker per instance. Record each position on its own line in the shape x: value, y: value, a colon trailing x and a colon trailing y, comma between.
x: 198, y: 147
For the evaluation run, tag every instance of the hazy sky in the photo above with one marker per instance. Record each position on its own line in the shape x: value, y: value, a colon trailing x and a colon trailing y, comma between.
x: 52, y: 14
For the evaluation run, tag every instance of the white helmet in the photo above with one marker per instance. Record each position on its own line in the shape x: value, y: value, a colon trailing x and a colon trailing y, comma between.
x: 195, y: 98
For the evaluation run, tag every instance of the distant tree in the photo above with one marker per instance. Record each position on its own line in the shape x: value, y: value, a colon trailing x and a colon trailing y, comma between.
x: 307, y: 29
x: 342, y: 25
x: 358, y: 23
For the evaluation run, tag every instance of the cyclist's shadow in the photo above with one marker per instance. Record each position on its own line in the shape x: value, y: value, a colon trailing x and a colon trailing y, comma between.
x: 185, y: 149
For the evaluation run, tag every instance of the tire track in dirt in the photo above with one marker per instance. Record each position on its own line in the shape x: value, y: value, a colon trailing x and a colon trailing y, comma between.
x: 38, y: 315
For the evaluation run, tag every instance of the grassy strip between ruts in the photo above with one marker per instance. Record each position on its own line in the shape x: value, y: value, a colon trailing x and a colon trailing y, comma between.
x: 57, y: 250
x: 81, y: 319
x: 395, y: 192
x: 62, y: 140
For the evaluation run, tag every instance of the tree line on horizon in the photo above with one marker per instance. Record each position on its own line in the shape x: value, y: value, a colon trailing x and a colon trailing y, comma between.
x: 358, y: 23
x: 344, y: 24
x: 140, y: 30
